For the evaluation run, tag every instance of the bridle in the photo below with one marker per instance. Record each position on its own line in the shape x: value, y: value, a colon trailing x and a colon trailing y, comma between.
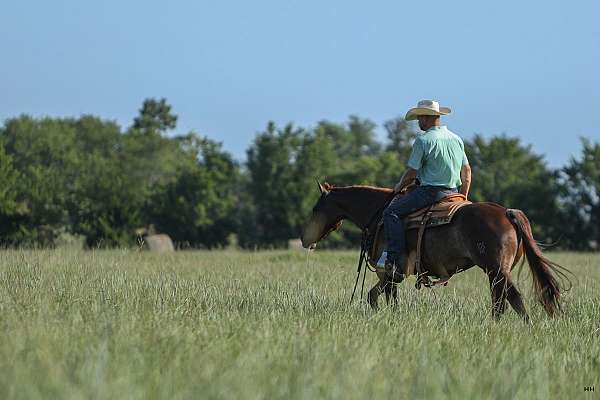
x: 365, y: 246
x: 334, y: 227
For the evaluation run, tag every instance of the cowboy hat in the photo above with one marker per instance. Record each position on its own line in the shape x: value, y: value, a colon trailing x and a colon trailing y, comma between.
x: 426, y: 107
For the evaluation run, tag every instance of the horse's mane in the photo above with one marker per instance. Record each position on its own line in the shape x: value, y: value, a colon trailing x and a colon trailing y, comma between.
x: 333, y: 188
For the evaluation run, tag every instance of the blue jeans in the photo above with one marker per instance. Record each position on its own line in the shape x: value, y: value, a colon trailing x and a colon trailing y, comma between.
x: 400, y: 207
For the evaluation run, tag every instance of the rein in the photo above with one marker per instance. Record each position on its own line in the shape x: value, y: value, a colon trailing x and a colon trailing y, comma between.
x: 364, y: 248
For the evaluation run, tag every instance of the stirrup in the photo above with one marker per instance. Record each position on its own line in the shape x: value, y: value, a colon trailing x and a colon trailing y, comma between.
x: 396, y: 275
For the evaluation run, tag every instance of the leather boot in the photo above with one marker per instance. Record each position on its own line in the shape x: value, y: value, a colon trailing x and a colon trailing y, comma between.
x: 394, y: 266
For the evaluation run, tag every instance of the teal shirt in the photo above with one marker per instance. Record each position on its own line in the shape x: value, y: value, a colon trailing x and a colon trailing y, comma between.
x: 438, y: 156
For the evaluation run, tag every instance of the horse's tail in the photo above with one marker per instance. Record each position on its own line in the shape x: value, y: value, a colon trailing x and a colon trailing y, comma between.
x: 545, y: 284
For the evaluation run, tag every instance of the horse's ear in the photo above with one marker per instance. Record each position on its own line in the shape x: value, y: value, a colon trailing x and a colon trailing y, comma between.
x: 322, y: 188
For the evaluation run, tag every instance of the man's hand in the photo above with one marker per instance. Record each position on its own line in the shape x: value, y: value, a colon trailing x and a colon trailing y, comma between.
x: 398, y: 188
x: 407, y: 178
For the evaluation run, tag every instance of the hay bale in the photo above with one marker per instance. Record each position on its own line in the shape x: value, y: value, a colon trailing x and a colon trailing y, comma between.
x: 160, y: 243
x: 295, y: 244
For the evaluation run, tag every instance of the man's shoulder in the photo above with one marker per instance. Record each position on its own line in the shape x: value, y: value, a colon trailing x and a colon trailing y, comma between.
x: 444, y: 130
x: 453, y: 135
x: 435, y: 134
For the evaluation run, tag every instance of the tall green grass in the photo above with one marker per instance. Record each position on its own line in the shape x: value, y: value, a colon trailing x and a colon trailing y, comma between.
x: 264, y: 325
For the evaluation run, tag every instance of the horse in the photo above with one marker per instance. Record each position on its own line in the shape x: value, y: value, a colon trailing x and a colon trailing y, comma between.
x: 483, y: 233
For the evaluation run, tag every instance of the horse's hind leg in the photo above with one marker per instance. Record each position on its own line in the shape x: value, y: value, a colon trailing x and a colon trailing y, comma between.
x: 498, y: 287
x: 515, y: 299
x: 503, y: 288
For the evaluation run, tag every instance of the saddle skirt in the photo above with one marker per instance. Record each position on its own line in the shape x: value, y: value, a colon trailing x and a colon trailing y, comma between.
x: 440, y: 213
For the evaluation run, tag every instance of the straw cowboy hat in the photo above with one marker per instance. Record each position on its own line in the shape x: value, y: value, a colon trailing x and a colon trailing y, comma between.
x: 426, y: 107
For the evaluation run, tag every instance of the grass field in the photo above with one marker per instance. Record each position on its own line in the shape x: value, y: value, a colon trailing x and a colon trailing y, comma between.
x: 134, y: 325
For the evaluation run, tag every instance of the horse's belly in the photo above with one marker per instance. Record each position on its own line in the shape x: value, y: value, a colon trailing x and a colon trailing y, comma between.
x: 442, y: 251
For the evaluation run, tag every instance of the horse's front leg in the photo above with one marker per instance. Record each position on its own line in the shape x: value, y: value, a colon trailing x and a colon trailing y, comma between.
x: 373, y: 295
x: 395, y: 293
x: 390, y: 289
x: 387, y: 289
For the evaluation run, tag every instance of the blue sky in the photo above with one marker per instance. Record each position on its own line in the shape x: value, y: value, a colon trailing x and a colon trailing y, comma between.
x: 524, y: 68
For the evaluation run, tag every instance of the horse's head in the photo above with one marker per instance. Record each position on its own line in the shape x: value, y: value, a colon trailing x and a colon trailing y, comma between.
x: 326, y: 217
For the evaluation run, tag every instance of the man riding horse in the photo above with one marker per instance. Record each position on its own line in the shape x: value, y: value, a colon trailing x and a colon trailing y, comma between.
x: 438, y: 161
x: 442, y: 239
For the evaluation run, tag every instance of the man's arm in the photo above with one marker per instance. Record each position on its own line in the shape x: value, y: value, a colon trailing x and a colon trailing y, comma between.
x: 407, y: 178
x: 415, y: 161
x: 465, y: 177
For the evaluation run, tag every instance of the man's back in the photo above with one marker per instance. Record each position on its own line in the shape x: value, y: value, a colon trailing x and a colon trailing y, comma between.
x: 438, y: 159
x: 438, y: 156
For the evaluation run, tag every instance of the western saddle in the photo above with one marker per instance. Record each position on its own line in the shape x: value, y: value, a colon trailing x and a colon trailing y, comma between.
x: 440, y: 213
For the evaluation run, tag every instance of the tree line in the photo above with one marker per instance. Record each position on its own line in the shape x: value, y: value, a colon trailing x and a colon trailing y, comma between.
x: 88, y: 178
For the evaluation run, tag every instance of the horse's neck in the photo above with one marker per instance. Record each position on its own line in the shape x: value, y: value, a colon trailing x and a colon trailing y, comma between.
x: 361, y: 204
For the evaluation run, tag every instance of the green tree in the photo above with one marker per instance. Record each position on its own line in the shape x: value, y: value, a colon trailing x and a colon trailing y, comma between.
x: 86, y: 177
x: 355, y: 149
x: 121, y: 173
x: 581, y: 199
x: 271, y: 186
x: 44, y: 153
x: 12, y: 212
x: 9, y: 179
x: 107, y: 201
x: 353, y: 139
x: 198, y: 208
x: 400, y: 135
x: 316, y: 160
x: 151, y: 158
x: 390, y: 167
x: 362, y: 138
x: 155, y: 117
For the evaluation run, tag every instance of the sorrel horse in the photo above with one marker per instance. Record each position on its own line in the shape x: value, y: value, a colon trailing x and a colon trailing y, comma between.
x: 483, y: 234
